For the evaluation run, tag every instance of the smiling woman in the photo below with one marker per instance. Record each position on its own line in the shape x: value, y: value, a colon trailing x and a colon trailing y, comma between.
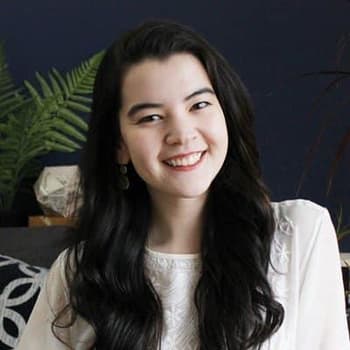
x: 178, y: 245
x: 180, y: 134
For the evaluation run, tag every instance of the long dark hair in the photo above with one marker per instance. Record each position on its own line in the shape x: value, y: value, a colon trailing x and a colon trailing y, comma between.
x: 109, y: 289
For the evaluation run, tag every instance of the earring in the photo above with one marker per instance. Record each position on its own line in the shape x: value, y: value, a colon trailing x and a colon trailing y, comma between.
x: 123, y: 177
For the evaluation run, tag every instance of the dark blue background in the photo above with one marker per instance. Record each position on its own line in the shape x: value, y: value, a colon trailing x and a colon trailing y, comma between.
x: 269, y: 43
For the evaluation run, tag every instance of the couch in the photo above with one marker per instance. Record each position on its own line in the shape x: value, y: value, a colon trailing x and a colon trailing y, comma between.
x: 26, y: 254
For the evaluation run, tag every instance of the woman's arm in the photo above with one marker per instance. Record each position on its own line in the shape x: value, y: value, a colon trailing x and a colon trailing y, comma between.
x: 53, y: 297
x: 322, y: 321
x: 37, y: 333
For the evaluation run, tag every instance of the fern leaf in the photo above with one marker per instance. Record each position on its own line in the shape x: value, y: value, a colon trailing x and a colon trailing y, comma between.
x: 64, y: 127
x: 33, y: 153
x: 37, y: 131
x: 75, y: 77
x: 82, y: 99
x: 13, y: 94
x: 78, y: 106
x: 17, y: 104
x: 14, y: 122
x: 54, y: 146
x: 10, y: 97
x: 8, y: 156
x: 6, y: 83
x: 72, y: 118
x: 61, y: 81
x: 83, y: 91
x: 70, y: 81
x: 34, y: 144
x: 56, y: 87
x: 7, y: 162
x: 44, y: 86
x: 5, y: 174
x: 35, y: 95
x: 56, y: 136
x: 3, y: 128
x: 9, y: 145
x: 81, y: 79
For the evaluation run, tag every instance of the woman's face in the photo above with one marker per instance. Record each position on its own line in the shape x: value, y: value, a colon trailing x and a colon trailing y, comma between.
x: 172, y: 126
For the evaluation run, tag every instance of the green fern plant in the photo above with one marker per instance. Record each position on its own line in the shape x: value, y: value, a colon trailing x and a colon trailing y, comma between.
x: 38, y: 120
x: 10, y: 97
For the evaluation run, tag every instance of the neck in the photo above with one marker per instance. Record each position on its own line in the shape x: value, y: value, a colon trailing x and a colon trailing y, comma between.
x: 176, y: 224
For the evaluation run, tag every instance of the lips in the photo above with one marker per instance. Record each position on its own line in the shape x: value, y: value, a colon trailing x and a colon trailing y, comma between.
x: 185, y: 162
x: 182, y: 155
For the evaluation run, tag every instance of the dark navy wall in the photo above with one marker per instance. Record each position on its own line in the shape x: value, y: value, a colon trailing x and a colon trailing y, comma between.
x: 269, y: 43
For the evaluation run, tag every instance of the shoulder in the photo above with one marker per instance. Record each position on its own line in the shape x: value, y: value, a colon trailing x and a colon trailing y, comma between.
x: 65, y: 261
x: 303, y: 227
x: 297, y: 239
x: 60, y: 273
x: 60, y: 262
x: 56, y: 282
x: 299, y: 215
x: 298, y: 209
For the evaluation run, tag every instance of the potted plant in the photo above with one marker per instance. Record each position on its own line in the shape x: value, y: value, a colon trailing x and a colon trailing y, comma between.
x: 339, y: 76
x: 38, y: 119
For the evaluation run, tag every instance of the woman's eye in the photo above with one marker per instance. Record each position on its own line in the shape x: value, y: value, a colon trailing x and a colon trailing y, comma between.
x: 201, y: 105
x: 149, y: 118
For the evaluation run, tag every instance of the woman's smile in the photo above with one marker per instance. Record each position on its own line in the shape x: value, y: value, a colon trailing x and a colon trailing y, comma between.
x: 186, y: 163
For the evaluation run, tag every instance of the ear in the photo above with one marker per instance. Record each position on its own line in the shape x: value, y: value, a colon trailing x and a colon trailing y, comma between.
x: 122, y: 154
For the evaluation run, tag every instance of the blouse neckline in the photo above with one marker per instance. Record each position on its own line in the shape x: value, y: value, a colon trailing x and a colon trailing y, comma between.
x: 174, y: 256
x: 166, y: 262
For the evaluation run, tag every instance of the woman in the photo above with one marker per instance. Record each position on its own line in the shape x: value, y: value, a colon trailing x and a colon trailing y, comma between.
x: 177, y: 242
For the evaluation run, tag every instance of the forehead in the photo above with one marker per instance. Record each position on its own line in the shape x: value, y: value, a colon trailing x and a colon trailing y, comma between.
x: 162, y: 80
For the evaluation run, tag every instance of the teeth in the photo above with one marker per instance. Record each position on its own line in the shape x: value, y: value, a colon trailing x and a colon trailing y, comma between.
x: 185, y: 161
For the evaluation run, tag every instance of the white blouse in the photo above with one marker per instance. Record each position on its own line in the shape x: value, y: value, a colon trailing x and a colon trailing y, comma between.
x: 308, y: 283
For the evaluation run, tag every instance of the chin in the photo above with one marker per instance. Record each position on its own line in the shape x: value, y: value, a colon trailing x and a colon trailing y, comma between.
x: 191, y: 192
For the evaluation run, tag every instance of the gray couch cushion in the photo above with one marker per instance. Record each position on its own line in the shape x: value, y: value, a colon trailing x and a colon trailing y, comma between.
x: 36, y: 246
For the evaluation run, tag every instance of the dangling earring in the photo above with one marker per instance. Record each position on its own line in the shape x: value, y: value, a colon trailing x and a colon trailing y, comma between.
x: 123, y: 177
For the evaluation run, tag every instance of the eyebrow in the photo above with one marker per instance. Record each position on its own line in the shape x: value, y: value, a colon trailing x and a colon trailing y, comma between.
x: 143, y: 105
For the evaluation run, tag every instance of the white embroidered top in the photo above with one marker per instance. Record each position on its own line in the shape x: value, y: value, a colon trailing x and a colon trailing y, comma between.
x: 308, y: 284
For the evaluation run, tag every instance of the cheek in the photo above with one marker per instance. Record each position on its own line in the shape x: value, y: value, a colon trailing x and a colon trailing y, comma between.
x: 224, y: 135
x: 141, y: 152
x: 144, y: 161
x: 218, y: 131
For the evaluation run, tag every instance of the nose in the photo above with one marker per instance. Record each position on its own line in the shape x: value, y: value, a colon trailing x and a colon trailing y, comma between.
x: 181, y: 133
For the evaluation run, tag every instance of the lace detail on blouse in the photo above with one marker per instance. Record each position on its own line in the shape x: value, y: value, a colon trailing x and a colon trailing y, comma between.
x: 280, y: 256
x: 174, y: 277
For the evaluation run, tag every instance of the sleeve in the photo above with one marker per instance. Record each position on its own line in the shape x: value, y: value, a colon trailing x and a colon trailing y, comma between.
x: 37, y: 333
x: 322, y: 321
